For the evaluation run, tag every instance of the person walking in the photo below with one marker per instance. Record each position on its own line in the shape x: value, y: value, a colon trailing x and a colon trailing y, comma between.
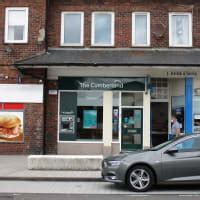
x: 176, y: 128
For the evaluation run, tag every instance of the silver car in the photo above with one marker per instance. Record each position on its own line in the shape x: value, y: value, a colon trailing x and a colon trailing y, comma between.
x: 176, y: 161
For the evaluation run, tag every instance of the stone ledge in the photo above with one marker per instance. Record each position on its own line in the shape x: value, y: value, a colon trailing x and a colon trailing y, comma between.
x: 62, y: 162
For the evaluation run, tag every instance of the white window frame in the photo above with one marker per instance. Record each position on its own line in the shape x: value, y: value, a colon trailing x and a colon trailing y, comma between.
x: 171, y: 14
x: 148, y: 29
x: 62, y: 43
x: 112, y: 30
x: 25, y: 40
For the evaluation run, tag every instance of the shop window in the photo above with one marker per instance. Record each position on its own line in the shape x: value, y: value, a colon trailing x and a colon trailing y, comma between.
x: 115, y: 115
x: 141, y: 29
x: 178, y: 108
x: 81, y: 116
x: 16, y: 25
x: 132, y: 99
x: 90, y: 115
x: 72, y: 27
x: 196, y: 113
x: 180, y: 29
x: 102, y: 29
x: 159, y: 89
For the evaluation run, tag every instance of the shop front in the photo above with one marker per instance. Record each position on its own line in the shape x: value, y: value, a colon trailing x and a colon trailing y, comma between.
x: 101, y: 102
x: 101, y: 114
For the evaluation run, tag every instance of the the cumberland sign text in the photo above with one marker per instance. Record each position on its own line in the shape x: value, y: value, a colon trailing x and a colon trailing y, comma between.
x: 101, y: 83
x: 92, y: 85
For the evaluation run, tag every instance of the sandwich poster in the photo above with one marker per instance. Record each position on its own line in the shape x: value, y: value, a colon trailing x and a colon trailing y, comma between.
x: 90, y: 119
x: 11, y: 126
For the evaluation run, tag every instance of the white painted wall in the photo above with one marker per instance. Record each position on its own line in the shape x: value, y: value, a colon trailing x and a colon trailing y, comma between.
x: 21, y: 93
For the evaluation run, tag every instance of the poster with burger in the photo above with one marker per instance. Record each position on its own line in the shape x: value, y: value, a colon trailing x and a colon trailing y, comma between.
x: 11, y: 127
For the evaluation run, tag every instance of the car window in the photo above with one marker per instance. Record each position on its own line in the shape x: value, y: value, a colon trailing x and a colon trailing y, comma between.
x: 160, y: 146
x: 192, y: 144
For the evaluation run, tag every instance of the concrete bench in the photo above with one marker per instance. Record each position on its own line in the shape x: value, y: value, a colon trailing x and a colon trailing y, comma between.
x: 64, y: 162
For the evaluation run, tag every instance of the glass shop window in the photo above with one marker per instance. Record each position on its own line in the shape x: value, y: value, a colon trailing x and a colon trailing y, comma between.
x: 115, y: 116
x: 90, y: 115
x: 81, y: 116
x: 132, y: 99
x: 178, y: 108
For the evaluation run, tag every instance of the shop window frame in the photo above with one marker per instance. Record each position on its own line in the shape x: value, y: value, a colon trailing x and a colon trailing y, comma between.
x: 26, y: 10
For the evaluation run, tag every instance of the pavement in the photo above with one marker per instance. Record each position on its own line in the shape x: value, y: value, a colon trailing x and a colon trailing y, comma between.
x: 15, y: 168
x: 15, y: 178
x: 93, y: 197
x: 90, y: 188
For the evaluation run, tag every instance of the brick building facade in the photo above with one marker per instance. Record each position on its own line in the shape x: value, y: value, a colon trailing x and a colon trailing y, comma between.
x: 44, y: 60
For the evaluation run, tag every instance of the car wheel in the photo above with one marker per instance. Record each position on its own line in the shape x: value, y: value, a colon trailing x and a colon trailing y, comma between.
x: 140, y: 178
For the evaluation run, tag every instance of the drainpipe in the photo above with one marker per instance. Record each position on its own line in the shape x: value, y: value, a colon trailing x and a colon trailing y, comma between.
x: 45, y: 82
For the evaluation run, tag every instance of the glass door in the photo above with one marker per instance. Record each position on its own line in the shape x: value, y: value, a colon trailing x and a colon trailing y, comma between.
x: 131, y: 121
x: 132, y: 128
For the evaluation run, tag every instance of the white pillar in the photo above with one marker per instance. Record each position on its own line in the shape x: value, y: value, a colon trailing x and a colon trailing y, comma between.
x: 146, y: 120
x: 107, y: 121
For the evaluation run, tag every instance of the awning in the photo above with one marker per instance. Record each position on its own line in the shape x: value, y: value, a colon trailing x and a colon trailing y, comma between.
x: 112, y: 57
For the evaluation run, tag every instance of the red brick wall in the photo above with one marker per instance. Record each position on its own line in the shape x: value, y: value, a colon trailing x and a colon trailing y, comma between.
x: 33, y: 133
x: 33, y: 130
x: 37, y: 9
x: 123, y: 10
x: 51, y: 119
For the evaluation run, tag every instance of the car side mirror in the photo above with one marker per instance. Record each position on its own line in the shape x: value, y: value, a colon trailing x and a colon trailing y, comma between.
x: 172, y: 151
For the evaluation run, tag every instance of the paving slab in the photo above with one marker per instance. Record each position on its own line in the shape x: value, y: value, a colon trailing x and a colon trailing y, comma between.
x: 15, y: 168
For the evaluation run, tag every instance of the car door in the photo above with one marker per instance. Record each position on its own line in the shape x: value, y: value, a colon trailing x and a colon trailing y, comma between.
x: 182, y: 165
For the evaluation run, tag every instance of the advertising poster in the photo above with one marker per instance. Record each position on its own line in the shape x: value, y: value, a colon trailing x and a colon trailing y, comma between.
x: 138, y: 118
x: 11, y: 126
x: 90, y: 119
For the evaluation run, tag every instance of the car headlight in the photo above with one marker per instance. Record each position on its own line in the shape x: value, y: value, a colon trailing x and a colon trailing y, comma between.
x: 114, y: 163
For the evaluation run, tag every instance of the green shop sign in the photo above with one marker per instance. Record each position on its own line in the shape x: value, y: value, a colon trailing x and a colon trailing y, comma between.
x: 99, y: 83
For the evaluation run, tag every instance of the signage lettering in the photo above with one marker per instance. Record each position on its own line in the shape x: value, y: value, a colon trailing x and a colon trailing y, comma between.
x: 101, y: 83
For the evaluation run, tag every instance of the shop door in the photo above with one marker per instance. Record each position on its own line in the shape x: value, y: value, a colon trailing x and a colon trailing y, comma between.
x: 132, y: 129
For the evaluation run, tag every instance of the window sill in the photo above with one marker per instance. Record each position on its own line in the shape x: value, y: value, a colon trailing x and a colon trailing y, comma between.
x: 141, y: 46
x: 72, y: 45
x: 189, y: 47
x: 14, y: 43
x: 102, y: 46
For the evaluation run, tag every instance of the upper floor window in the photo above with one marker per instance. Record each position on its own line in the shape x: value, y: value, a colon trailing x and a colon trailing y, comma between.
x: 180, y: 29
x: 103, y: 29
x: 72, y: 28
x: 16, y: 25
x: 141, y: 29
